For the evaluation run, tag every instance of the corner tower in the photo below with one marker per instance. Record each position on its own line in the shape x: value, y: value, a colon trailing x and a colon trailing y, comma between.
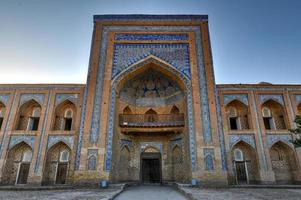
x: 150, y: 111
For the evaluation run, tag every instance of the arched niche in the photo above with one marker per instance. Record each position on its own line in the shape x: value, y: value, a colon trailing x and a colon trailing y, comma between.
x: 28, y: 117
x: 283, y: 162
x: 237, y: 115
x: 245, y: 163
x: 57, y: 164
x: 274, y: 116
x: 64, y: 116
x: 17, y: 164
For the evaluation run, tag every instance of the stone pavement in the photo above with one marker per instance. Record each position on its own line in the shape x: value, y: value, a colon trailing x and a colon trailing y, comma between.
x: 65, y: 194
x: 150, y: 193
x: 242, y: 193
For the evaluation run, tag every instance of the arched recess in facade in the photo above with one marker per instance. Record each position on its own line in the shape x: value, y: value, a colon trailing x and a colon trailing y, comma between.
x: 167, y: 71
x: 283, y: 162
x: 57, y: 165
x: 17, y: 165
x: 245, y: 163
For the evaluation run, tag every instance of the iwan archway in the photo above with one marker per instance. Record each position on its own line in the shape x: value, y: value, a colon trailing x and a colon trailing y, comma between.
x: 149, y: 111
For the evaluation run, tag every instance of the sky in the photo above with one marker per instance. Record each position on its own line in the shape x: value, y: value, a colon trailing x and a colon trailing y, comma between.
x: 49, y: 41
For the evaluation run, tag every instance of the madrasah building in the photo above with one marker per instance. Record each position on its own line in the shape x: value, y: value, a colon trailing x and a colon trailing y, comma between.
x: 149, y: 112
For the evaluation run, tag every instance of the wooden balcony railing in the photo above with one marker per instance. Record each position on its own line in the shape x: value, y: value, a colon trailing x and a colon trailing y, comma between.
x: 151, y: 120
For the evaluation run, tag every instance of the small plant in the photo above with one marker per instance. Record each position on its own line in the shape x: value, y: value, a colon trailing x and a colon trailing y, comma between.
x: 297, y: 131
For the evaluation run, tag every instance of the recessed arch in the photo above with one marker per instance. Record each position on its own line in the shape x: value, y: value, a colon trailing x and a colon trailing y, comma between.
x: 29, y: 114
x: 175, y: 110
x: 139, y: 68
x: 64, y: 116
x: 283, y: 162
x: 275, y: 119
x: 246, y: 169
x: 57, y: 164
x: 17, y: 164
x: 237, y: 114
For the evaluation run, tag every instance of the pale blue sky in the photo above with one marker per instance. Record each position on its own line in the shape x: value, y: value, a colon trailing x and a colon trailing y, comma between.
x: 49, y: 41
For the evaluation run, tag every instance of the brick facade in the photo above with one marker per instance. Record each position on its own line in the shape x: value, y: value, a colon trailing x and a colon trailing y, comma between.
x: 150, y: 101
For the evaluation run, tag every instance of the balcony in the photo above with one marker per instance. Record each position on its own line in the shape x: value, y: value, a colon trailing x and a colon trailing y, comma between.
x: 151, y: 120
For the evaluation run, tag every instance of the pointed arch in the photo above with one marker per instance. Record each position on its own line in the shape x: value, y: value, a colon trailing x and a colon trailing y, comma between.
x: 64, y: 116
x: 151, y: 112
x: 277, y: 119
x: 283, y: 162
x: 175, y: 110
x: 57, y: 165
x: 140, y: 67
x: 127, y: 110
x: 151, y: 149
x: 17, y: 164
x: 238, y: 115
x: 29, y: 114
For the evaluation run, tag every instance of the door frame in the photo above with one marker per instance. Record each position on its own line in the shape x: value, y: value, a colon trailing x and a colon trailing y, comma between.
x: 57, y: 167
x: 246, y: 171
x: 146, y: 155
x: 18, y: 173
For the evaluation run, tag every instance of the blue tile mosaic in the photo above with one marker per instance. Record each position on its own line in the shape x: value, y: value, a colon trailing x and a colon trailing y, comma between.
x: 135, y: 37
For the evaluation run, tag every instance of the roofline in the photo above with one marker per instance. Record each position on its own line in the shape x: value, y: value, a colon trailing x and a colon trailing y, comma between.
x: 143, y: 17
x: 241, y: 85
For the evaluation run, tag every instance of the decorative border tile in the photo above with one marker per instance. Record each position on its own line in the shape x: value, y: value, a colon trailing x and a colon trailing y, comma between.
x: 124, y: 142
x: 265, y: 97
x: 4, y: 98
x: 240, y: 97
x: 188, y: 18
x: 39, y: 98
x: 175, y: 142
x: 272, y: 139
x: 59, y: 98
x: 17, y: 139
x: 209, y: 158
x: 298, y: 99
x: 54, y: 139
x: 157, y: 145
x: 137, y: 36
x: 249, y: 139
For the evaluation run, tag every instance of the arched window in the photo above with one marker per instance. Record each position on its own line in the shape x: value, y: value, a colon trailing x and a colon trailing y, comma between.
x: 64, y: 156
x: 92, y: 163
x: 65, y: 113
x: 238, y: 155
x: 127, y: 110
x: 273, y: 114
x: 34, y: 119
x: 27, y: 155
x: 151, y: 115
x: 174, y: 110
x: 233, y: 119
x: 268, y: 118
x: 68, y: 119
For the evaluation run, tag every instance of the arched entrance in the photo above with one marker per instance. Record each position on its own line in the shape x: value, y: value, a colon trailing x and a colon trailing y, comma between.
x: 151, y: 168
x: 149, y: 105
x: 245, y: 163
x: 57, y: 164
x: 17, y: 165
x: 283, y: 162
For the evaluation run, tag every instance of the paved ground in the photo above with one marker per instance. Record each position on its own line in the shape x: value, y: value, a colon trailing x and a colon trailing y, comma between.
x: 155, y: 193
x: 244, y: 194
x: 74, y: 194
x: 150, y: 193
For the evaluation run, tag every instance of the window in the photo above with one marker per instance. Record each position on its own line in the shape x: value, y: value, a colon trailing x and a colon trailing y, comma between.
x: 64, y: 156
x: 68, y: 124
x: 233, y: 119
x: 27, y: 156
x: 233, y: 123
x: 33, y: 124
x: 238, y: 155
x: 1, y: 115
x: 267, y: 119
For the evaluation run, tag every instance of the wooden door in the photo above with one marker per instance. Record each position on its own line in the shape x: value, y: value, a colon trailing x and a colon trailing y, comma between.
x: 61, y: 174
x: 23, y: 173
